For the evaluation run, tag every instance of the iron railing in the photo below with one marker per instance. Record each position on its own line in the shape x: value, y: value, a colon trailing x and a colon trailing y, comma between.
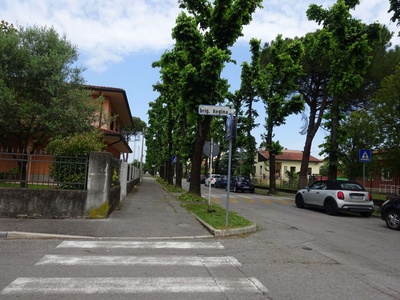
x: 23, y: 168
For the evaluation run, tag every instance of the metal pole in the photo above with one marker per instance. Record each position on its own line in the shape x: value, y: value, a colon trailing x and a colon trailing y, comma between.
x: 364, y: 175
x: 228, y: 188
x: 209, y: 183
x: 141, y: 157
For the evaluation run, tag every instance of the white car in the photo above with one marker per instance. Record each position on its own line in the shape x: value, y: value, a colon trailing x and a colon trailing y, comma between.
x: 210, y: 180
x: 335, y: 196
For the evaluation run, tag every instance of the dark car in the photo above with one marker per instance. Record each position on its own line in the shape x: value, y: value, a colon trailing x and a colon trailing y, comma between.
x: 241, y: 183
x: 390, y: 213
x: 335, y: 196
x: 222, y: 182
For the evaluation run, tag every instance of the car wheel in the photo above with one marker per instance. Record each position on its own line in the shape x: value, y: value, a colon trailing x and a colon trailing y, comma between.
x: 252, y: 191
x: 331, y: 207
x: 299, y: 201
x: 366, y: 214
x: 392, y: 220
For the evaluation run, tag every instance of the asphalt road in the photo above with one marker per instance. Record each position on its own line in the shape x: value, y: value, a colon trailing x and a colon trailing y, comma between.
x: 347, y: 256
x: 295, y: 254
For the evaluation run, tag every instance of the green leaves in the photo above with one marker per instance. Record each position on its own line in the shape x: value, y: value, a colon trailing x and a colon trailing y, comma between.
x: 42, y: 90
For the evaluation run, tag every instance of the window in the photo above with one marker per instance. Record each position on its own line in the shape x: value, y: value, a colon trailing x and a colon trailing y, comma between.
x: 292, y: 169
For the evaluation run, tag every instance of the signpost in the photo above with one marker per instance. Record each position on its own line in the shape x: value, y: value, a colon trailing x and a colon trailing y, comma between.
x: 211, y: 110
x: 210, y: 149
x: 364, y: 155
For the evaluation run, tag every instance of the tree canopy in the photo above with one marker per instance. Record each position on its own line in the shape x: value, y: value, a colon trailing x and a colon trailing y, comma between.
x: 41, y: 90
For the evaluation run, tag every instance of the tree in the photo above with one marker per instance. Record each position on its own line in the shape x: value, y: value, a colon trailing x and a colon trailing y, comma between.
x: 138, y: 127
x: 42, y: 93
x: 247, y: 97
x: 361, y: 134
x: 203, y: 34
x: 313, y: 86
x: 277, y: 80
x: 395, y: 9
x: 386, y: 120
x: 348, y: 44
x: 360, y: 123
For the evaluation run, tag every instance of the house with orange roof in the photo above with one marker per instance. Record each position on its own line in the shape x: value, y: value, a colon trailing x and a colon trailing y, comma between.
x: 115, y: 110
x: 112, y: 117
x: 287, y: 161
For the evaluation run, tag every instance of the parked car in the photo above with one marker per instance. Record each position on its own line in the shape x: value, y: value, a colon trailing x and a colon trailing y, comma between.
x: 335, y: 196
x: 241, y: 183
x: 210, y: 180
x: 222, y: 182
x: 390, y: 213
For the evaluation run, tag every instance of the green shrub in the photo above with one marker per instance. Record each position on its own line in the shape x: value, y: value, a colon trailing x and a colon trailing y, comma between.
x: 70, y: 155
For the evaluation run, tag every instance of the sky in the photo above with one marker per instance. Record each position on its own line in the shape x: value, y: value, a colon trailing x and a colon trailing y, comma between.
x: 118, y: 40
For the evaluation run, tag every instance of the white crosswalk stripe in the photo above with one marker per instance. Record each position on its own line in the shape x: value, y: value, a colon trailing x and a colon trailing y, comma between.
x: 209, y: 269
x: 103, y: 285
x: 140, y: 245
x: 69, y: 260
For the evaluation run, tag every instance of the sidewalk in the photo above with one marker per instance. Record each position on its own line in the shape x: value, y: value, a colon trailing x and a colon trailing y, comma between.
x: 148, y: 212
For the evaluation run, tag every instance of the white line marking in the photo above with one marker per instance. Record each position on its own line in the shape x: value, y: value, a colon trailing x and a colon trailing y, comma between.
x: 199, y: 261
x: 140, y: 245
x: 127, y: 285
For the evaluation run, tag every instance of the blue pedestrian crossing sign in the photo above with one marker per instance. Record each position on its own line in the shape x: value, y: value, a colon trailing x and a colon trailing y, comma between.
x: 364, y: 155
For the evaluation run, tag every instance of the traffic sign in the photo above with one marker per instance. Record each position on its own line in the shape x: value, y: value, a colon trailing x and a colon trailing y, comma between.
x: 213, y: 110
x: 364, y: 155
x: 207, y: 149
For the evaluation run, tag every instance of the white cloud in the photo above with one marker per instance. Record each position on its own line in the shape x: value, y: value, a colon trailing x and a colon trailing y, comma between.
x: 107, y: 31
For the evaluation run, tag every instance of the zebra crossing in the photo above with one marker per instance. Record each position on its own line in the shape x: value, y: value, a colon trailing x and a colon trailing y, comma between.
x: 209, y: 272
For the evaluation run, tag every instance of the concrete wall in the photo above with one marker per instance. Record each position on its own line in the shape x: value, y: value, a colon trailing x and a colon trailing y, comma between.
x: 47, y: 204
x: 58, y: 203
x: 99, y: 179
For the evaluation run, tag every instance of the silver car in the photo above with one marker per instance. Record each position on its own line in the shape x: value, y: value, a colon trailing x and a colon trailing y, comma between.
x: 211, y: 179
x: 335, y: 196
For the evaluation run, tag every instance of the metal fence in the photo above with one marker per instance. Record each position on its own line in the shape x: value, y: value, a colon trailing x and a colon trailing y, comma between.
x: 377, y: 185
x: 23, y: 168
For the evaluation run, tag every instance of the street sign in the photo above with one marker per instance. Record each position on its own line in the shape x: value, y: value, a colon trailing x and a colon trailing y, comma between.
x: 212, y: 110
x: 364, y: 155
x: 207, y: 149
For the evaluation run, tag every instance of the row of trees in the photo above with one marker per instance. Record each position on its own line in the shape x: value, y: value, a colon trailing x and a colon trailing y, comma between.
x: 336, y: 71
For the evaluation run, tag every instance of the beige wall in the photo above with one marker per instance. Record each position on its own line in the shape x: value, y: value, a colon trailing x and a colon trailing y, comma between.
x: 262, y: 170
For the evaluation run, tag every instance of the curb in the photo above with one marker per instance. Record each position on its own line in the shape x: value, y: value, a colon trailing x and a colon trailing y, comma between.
x: 14, y: 235
x: 227, y: 232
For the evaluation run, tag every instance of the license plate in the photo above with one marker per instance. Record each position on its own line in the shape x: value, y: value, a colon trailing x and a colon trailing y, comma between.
x: 357, y: 197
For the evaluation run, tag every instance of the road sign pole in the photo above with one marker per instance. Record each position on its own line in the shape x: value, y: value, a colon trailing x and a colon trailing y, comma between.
x: 228, y: 186
x: 209, y: 183
x: 364, y: 175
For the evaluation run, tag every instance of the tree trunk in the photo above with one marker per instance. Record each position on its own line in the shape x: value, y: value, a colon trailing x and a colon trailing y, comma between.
x: 272, y: 179
x: 203, y: 130
x: 333, y: 151
x: 311, y: 131
x: 178, y: 172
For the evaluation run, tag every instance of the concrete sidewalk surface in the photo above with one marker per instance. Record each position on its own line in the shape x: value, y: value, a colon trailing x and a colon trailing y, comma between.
x: 148, y: 212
